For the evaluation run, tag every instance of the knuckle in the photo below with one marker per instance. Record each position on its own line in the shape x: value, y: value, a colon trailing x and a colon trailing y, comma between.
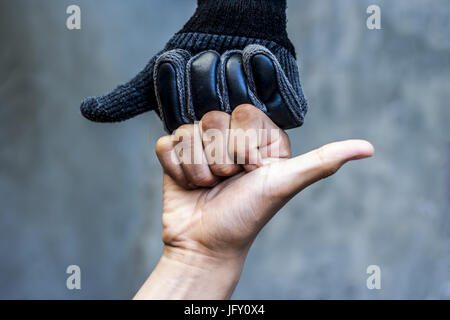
x: 327, y: 166
x: 185, y: 134
x: 185, y: 129
x: 243, y: 112
x: 214, y: 119
x: 164, y: 144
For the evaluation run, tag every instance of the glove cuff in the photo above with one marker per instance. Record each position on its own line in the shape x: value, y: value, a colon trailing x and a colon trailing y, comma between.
x: 260, y: 19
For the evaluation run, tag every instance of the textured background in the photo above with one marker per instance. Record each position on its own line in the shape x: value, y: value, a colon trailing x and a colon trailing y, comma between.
x: 74, y: 192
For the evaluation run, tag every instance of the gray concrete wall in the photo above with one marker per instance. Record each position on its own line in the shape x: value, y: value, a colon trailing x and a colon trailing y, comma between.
x: 74, y: 192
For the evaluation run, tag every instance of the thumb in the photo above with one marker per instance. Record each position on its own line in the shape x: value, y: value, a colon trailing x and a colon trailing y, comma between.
x: 126, y: 101
x: 263, y: 192
x: 289, y: 177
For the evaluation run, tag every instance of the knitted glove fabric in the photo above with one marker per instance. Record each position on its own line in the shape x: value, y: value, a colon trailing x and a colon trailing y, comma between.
x: 219, y: 26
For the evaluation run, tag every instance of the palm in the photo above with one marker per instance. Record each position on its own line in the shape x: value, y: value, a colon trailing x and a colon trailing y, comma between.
x: 229, y: 215
x: 220, y: 217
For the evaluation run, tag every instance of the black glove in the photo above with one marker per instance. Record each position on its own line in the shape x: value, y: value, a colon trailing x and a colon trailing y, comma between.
x: 265, y: 75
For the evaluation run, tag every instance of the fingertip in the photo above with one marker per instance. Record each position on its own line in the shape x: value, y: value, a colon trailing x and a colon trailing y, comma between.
x: 369, y: 148
x: 347, y: 150
x: 89, y: 108
x: 293, y: 175
x: 362, y: 149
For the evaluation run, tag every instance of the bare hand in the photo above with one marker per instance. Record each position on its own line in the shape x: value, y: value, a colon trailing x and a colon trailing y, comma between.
x: 213, y: 209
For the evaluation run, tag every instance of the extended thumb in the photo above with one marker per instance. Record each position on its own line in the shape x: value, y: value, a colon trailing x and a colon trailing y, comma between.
x: 289, y: 177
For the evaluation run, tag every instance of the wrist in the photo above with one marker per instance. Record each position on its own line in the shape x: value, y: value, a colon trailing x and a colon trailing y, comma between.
x: 246, y: 19
x: 189, y: 275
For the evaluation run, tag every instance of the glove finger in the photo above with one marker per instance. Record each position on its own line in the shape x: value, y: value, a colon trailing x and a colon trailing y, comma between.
x: 203, y: 83
x: 266, y: 77
x: 235, y: 84
x: 266, y: 83
x: 126, y: 101
x: 169, y: 78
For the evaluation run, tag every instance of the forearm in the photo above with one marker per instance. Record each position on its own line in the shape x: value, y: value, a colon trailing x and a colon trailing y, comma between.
x: 191, y: 276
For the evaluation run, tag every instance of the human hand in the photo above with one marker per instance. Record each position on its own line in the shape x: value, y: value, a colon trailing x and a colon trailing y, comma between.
x: 211, y: 64
x: 209, y: 220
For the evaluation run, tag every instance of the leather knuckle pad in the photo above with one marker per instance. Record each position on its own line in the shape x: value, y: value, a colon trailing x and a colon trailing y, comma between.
x: 203, y: 83
x: 169, y: 79
x: 235, y: 86
x: 284, y: 104
x: 266, y: 86
x: 189, y: 87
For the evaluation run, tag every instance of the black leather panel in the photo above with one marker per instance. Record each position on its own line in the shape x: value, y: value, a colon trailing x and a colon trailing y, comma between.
x: 268, y: 92
x: 204, y: 83
x: 168, y: 93
x: 236, y: 81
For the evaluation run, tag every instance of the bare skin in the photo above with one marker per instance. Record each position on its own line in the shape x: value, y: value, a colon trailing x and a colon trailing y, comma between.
x: 213, y: 211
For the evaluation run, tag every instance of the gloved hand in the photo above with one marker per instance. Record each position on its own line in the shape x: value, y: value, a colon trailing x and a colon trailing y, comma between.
x: 173, y: 83
x: 189, y: 87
